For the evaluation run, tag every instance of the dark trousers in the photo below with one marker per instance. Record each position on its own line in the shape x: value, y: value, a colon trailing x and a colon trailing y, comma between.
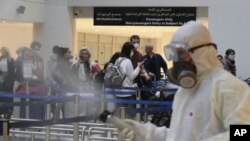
x: 127, y: 106
x: 36, y: 111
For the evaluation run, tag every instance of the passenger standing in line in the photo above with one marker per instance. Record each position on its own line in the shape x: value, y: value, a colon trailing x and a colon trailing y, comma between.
x: 51, y: 64
x: 19, y: 84
x: 229, y: 61
x: 127, y: 69
x: 6, y: 78
x: 36, y: 85
x: 60, y: 75
x: 137, y: 57
x: 110, y: 106
x: 80, y: 72
x: 154, y: 62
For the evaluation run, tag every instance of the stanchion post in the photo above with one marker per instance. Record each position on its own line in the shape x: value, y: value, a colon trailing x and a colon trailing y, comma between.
x: 145, y: 114
x: 77, y: 113
x: 103, y: 97
x: 138, y: 106
x: 5, y: 123
x: 27, y: 100
x: 48, y: 117
x: 123, y: 112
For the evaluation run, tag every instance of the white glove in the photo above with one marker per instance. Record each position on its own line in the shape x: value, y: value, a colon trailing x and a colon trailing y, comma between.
x: 137, y: 131
x: 158, y: 94
x: 16, y: 85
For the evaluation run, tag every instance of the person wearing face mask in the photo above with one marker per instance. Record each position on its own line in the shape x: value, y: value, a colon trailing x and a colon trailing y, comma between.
x: 136, y: 56
x: 209, y: 99
x: 37, y: 111
x: 128, y: 71
x: 229, y: 62
x: 37, y: 61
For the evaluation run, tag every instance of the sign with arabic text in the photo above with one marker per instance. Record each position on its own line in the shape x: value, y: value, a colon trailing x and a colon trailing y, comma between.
x: 144, y: 16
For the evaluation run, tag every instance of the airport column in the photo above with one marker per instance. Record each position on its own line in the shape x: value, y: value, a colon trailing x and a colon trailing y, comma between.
x: 58, y: 27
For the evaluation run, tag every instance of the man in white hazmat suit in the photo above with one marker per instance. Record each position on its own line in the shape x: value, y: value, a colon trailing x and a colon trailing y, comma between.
x: 207, y: 103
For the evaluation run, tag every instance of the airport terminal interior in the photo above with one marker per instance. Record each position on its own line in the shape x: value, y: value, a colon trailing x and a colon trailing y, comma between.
x: 74, y: 70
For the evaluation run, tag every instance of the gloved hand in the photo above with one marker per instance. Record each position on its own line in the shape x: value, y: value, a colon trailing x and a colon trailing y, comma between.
x: 137, y: 131
x: 16, y: 85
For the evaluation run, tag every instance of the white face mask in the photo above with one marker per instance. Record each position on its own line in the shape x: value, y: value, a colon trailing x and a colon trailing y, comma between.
x: 131, y: 53
x: 136, y: 45
x: 231, y: 57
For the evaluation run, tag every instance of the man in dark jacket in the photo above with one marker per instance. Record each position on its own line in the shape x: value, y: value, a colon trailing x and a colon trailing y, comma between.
x: 154, y: 62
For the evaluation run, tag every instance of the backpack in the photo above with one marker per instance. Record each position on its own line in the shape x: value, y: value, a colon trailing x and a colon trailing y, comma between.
x: 113, y: 75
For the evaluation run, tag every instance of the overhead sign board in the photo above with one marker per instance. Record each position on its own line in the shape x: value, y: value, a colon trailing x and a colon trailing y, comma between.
x: 143, y: 16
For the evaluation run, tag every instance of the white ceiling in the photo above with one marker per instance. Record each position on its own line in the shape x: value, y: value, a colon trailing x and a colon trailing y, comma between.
x: 86, y: 25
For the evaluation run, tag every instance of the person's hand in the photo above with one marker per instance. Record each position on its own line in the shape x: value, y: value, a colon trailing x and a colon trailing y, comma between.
x: 151, y: 74
x: 140, y: 64
x: 137, y: 131
x: 145, y: 74
x: 16, y: 86
x: 126, y: 134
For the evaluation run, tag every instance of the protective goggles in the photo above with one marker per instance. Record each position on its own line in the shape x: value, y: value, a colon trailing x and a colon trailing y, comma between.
x: 177, y: 51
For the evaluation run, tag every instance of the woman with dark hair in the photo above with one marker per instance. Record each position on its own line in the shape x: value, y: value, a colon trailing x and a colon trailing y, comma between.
x: 126, y: 66
x: 127, y: 69
x: 112, y: 60
x: 229, y: 62
x: 61, y: 76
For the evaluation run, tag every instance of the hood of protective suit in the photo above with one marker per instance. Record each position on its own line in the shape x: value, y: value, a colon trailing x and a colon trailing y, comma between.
x: 193, y: 34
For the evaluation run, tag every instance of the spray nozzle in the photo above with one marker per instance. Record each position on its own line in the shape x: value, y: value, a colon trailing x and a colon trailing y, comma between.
x: 104, y: 115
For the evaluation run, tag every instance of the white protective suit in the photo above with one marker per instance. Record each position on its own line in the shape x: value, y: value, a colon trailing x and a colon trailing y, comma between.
x: 204, y: 112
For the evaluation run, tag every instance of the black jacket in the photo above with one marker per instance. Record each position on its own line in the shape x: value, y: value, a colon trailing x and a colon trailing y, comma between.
x: 7, y: 86
x: 9, y: 80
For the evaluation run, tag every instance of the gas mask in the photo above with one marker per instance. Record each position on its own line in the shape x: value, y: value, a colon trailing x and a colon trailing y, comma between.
x: 183, y: 72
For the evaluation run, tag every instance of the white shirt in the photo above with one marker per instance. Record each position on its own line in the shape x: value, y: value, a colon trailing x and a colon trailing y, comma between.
x: 127, y: 69
x: 4, y: 65
x: 81, y: 72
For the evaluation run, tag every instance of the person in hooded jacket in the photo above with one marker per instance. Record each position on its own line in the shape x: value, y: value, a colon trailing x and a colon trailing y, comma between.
x: 229, y: 62
x: 209, y: 100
